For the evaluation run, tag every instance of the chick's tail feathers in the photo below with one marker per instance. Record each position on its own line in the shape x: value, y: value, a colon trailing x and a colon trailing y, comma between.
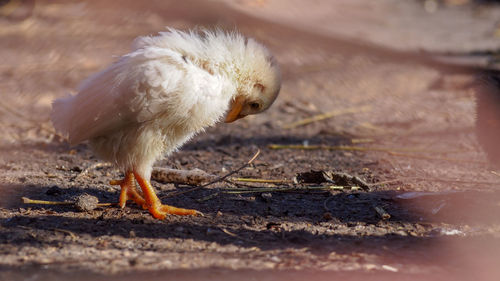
x: 61, y: 114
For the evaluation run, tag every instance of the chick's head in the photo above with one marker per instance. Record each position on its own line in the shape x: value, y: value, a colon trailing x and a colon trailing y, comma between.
x: 258, y: 80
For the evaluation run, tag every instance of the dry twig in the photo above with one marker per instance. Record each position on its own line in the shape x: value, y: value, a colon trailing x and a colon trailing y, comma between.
x: 27, y: 200
x: 219, y: 179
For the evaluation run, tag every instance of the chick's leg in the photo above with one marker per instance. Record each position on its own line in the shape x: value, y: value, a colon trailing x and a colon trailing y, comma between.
x: 156, y: 208
x: 129, y: 191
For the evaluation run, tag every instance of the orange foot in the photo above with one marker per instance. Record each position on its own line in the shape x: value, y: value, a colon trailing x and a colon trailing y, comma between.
x: 129, y: 191
x: 153, y: 203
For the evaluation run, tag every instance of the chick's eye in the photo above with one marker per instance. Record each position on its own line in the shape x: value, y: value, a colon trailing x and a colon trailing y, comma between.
x: 255, y: 105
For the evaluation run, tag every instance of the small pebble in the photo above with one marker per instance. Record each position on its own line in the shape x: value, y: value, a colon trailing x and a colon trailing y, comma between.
x: 86, y: 202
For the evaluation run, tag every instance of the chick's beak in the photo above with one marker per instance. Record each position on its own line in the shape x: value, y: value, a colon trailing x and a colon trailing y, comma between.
x: 235, y: 110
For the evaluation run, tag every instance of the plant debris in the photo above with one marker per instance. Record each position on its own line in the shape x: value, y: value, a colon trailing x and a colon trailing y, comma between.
x: 337, y: 178
x: 383, y: 214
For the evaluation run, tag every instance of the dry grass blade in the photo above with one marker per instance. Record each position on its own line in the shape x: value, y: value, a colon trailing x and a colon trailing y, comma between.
x: 27, y: 200
x: 365, y: 140
x: 327, y: 115
x: 261, y: 180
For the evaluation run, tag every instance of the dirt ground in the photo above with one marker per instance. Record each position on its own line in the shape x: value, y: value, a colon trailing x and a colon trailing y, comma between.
x: 403, y: 124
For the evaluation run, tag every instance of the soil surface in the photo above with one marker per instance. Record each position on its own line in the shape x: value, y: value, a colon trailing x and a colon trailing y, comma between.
x: 403, y: 124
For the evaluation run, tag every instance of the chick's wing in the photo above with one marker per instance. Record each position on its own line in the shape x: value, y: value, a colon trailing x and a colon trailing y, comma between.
x: 137, y: 88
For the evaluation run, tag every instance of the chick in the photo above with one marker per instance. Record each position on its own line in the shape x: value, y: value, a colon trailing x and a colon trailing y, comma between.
x: 158, y: 96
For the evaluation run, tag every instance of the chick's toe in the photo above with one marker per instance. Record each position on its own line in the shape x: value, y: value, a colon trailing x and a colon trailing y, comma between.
x: 129, y: 191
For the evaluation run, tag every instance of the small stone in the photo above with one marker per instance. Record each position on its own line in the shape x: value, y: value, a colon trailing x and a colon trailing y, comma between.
x: 86, y: 202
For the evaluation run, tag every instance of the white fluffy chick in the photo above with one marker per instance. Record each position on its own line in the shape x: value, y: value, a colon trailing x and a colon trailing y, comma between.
x: 154, y: 99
